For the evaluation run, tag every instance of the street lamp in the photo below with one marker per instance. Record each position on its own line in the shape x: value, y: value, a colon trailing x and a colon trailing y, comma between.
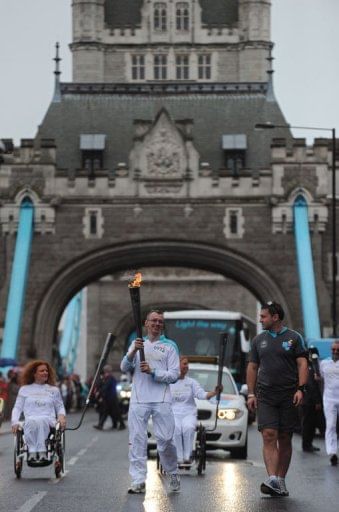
x: 269, y: 126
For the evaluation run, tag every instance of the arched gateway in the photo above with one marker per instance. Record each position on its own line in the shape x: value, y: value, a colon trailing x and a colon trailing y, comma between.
x: 92, y: 266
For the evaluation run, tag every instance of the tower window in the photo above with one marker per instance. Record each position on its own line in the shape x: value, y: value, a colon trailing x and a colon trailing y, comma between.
x: 234, y: 223
x: 92, y: 160
x: 160, y: 17
x: 93, y: 222
x: 233, y: 219
x: 92, y: 152
x: 138, y: 67
x: 234, y: 146
x: 182, y: 16
x: 234, y: 161
x: 204, y: 67
x: 182, y: 67
x: 160, y: 67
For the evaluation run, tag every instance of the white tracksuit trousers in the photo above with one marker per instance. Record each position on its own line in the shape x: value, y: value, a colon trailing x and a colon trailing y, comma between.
x: 184, y: 433
x: 163, y: 426
x: 331, y: 411
x: 36, y: 431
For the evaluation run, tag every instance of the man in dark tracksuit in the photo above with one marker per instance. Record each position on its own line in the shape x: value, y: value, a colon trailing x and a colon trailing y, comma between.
x: 276, y: 376
x: 312, y: 403
x: 110, y: 404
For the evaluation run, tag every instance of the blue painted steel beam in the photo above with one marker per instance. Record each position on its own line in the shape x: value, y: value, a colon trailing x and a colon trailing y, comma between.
x: 306, y: 270
x: 71, y: 332
x: 19, y: 276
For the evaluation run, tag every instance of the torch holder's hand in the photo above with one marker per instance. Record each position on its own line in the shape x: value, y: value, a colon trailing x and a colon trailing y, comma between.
x: 145, y: 367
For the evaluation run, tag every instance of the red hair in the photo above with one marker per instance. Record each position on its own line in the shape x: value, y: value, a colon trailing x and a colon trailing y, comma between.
x: 29, y: 371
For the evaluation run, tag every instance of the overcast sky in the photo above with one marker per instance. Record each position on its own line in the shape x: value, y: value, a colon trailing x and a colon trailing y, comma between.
x: 306, y: 78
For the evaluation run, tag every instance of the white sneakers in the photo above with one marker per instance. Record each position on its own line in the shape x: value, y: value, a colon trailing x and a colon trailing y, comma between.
x: 137, y: 488
x: 174, y: 486
x: 174, y: 483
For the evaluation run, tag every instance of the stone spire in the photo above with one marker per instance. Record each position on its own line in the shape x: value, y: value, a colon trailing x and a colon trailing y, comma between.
x: 57, y: 73
x: 270, y: 91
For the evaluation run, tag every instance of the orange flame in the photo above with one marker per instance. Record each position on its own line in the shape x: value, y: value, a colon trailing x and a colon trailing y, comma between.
x: 136, y: 283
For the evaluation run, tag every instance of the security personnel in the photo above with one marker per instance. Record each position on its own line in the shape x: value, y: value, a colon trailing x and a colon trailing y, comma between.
x: 276, y: 376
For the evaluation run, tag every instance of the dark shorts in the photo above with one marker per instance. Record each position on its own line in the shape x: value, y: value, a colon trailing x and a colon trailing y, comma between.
x: 276, y: 410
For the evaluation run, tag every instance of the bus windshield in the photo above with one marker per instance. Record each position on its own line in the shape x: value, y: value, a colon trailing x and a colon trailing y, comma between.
x: 201, y: 336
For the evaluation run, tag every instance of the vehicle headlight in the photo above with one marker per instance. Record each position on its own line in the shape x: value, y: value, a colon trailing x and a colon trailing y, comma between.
x: 123, y: 394
x: 229, y: 414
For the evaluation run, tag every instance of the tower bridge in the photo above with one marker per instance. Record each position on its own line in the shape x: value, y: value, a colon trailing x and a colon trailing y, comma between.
x: 150, y: 158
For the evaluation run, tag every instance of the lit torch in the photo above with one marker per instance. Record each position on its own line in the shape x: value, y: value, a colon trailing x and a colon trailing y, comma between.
x: 134, y: 290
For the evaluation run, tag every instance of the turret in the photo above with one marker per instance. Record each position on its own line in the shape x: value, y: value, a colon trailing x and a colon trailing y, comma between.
x: 88, y: 25
x: 255, y: 19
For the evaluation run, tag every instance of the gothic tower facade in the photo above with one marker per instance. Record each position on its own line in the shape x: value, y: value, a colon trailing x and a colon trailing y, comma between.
x: 121, y: 41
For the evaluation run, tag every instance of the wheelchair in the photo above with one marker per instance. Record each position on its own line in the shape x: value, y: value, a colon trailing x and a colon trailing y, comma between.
x: 55, y: 450
x: 199, y: 453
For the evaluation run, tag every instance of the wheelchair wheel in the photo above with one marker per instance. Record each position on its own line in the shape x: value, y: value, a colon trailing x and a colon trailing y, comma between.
x: 18, y: 460
x: 201, y: 450
x: 59, y: 465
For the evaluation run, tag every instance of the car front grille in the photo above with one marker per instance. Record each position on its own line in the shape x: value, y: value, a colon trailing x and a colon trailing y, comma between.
x: 204, y: 414
x: 212, y: 437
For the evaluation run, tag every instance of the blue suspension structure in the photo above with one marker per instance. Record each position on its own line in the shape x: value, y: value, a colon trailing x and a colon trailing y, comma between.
x: 19, y: 277
x: 306, y: 270
x: 70, y: 338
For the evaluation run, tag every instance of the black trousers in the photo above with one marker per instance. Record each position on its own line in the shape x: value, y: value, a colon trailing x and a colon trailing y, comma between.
x: 111, y: 409
x: 308, y: 424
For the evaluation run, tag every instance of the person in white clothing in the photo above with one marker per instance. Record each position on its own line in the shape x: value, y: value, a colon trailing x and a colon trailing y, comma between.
x: 41, y: 403
x: 183, y: 392
x: 329, y: 370
x: 151, y: 397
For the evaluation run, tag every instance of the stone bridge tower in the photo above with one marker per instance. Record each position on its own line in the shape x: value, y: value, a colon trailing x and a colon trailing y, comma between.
x: 149, y: 157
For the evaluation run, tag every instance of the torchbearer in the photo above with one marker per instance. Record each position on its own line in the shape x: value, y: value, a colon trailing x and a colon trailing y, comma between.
x: 151, y: 397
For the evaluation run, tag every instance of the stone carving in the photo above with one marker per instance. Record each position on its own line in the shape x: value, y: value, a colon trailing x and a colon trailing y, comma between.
x: 163, y: 156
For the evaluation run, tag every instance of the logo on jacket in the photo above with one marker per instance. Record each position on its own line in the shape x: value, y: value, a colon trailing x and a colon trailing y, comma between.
x: 161, y: 348
x: 288, y: 345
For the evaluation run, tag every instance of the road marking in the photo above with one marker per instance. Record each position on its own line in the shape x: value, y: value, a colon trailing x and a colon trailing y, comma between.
x: 34, y: 500
x: 81, y: 452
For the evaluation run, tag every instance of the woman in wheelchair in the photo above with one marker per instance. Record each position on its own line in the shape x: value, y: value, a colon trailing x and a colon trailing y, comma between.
x: 183, y: 392
x: 41, y: 404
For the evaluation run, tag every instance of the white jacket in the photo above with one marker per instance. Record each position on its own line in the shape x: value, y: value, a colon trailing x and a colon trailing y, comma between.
x: 163, y: 357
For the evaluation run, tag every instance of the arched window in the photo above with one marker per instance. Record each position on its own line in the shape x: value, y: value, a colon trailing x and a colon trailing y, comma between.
x: 160, y: 17
x: 182, y: 16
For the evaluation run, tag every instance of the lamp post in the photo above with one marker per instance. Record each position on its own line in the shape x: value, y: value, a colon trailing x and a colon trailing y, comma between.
x: 269, y: 126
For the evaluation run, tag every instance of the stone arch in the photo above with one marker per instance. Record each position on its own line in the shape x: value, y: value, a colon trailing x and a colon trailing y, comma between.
x: 91, y: 266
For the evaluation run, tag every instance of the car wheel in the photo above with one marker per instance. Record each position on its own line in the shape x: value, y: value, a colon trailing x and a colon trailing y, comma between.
x: 240, y: 452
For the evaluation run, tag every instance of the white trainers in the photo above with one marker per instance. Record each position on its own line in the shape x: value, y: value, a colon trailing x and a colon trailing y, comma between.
x: 174, y: 483
x: 42, y: 456
x: 271, y: 486
x: 283, y: 488
x: 32, y: 457
x: 137, y: 489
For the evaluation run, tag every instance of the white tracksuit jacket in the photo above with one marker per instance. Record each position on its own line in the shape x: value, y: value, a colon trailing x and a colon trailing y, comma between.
x: 184, y: 391
x: 329, y: 370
